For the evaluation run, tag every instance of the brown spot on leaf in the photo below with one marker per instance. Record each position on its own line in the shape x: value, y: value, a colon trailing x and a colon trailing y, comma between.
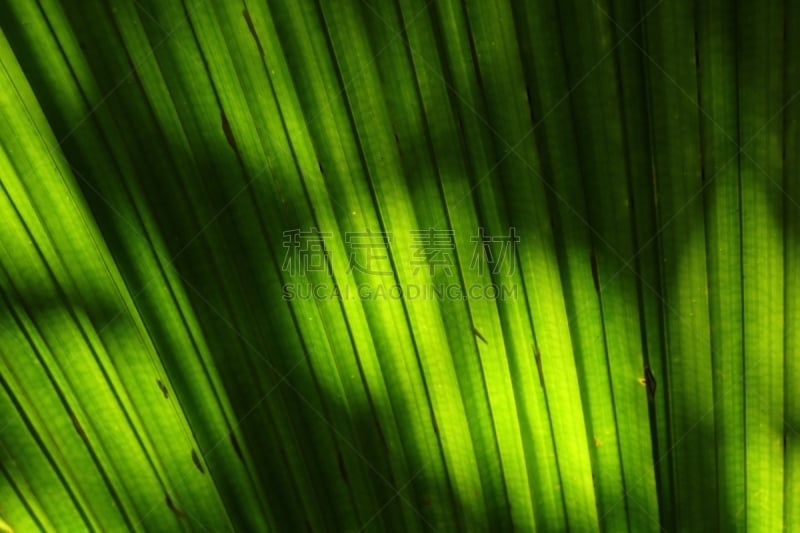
x: 197, y: 462
x: 135, y: 73
x: 226, y: 128
x: 172, y: 507
x: 236, y: 447
x: 595, y: 273
x: 163, y: 388
x: 78, y: 426
x: 538, y: 357
x: 342, y: 469
x: 397, y: 141
x: 650, y: 381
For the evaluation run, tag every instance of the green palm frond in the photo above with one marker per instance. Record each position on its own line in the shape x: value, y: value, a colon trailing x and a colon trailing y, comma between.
x: 401, y: 265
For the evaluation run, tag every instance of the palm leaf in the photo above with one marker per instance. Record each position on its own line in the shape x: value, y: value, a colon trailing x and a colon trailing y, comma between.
x: 397, y: 265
